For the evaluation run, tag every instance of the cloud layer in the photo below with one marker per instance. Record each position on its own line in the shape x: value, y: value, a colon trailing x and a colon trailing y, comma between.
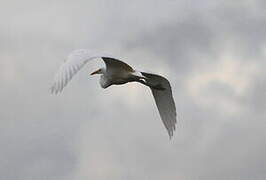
x: 213, y: 53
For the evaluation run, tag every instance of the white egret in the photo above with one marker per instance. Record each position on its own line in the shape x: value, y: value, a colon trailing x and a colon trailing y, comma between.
x: 116, y: 73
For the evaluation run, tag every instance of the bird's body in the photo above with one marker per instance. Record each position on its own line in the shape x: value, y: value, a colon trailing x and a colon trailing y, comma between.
x: 117, y: 73
x: 108, y: 79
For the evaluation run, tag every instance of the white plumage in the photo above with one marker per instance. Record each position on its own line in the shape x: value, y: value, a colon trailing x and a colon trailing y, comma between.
x: 116, y: 73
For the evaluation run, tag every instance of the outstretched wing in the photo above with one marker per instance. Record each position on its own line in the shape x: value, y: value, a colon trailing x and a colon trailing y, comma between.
x: 115, y: 64
x: 164, y: 100
x: 75, y: 61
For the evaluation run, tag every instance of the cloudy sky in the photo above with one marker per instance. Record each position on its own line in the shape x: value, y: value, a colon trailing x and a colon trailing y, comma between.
x: 212, y: 51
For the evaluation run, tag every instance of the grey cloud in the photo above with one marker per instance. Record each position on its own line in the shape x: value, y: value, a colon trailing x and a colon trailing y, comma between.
x: 87, y: 132
x: 176, y: 42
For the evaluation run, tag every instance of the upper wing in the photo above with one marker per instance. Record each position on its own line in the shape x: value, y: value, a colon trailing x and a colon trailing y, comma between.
x: 75, y: 61
x: 164, y: 100
x: 112, y: 63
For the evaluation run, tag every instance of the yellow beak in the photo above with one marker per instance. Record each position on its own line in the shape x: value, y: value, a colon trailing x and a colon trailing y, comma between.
x: 96, y: 72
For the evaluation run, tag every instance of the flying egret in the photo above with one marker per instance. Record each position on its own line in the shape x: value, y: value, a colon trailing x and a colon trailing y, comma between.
x: 117, y: 72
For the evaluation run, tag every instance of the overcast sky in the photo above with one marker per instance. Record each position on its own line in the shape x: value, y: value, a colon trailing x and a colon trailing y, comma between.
x: 212, y: 51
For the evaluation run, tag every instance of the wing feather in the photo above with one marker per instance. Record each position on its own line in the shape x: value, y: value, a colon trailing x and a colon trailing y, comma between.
x: 112, y: 63
x: 164, y: 100
x: 75, y: 61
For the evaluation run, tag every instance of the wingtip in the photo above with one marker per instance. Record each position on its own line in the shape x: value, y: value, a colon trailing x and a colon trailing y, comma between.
x: 171, y: 131
x: 171, y: 136
x: 54, y: 91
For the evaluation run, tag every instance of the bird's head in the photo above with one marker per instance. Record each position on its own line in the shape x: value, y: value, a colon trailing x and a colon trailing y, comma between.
x: 99, y: 71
